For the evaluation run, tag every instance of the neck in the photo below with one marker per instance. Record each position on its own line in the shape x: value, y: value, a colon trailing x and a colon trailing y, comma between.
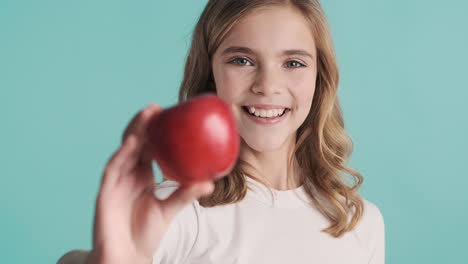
x: 275, y: 167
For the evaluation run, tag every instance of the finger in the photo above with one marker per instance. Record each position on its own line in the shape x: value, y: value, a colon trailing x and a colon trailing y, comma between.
x: 137, y: 128
x: 128, y: 152
x: 183, y: 196
x: 113, y: 167
x: 141, y: 170
x: 136, y: 176
x: 138, y: 122
x: 133, y: 160
x: 141, y: 159
x: 146, y: 157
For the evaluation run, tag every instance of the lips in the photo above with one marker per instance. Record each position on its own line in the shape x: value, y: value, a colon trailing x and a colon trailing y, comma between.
x: 267, y: 121
x: 267, y: 106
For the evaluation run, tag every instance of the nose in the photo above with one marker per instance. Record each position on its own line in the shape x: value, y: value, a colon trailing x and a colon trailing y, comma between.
x: 267, y: 81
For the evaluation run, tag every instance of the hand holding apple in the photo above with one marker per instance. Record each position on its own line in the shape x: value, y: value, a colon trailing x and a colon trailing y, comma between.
x: 129, y: 220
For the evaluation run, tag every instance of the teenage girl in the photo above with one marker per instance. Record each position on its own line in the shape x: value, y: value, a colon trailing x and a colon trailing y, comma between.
x: 287, y: 200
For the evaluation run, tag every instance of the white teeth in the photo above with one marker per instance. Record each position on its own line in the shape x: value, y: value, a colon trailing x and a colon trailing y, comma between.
x: 265, y: 113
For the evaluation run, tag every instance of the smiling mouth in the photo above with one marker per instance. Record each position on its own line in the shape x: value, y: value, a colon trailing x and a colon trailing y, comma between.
x: 245, y: 109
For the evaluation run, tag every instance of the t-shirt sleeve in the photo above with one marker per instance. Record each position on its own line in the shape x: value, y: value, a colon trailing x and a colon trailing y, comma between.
x: 180, y: 237
x: 377, y: 242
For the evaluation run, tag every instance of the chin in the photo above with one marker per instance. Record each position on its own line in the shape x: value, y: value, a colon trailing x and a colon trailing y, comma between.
x: 265, y: 143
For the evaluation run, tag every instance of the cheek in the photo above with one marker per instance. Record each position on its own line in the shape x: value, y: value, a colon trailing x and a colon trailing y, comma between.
x: 303, y: 93
x: 303, y: 87
x: 230, y: 85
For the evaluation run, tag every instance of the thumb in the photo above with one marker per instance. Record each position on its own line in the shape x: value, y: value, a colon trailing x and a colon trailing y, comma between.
x: 183, y: 196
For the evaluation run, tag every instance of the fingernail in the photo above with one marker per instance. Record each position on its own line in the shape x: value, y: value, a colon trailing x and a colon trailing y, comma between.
x: 149, y: 108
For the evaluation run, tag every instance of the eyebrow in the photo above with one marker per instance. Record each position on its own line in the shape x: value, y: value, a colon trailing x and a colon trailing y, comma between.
x: 237, y: 49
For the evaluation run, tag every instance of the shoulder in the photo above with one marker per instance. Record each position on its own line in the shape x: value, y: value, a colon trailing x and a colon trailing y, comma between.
x: 372, y: 218
x: 370, y: 228
x: 374, y: 229
x: 372, y: 213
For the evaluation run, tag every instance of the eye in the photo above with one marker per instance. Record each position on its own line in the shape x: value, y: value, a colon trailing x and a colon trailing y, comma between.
x: 295, y: 64
x: 240, y: 61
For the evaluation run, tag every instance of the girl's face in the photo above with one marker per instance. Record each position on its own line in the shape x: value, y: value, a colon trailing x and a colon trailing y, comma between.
x: 268, y: 60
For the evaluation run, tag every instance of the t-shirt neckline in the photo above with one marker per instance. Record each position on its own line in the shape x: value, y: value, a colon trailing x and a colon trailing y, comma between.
x: 292, y: 198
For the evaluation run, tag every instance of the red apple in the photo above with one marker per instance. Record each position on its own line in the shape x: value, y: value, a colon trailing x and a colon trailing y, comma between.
x: 195, y: 141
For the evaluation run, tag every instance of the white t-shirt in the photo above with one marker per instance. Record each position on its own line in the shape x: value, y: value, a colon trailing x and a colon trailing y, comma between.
x: 261, y: 230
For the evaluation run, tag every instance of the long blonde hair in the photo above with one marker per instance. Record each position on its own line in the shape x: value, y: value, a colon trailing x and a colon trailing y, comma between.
x: 322, y: 146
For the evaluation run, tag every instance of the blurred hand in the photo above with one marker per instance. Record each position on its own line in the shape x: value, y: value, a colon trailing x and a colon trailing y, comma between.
x: 129, y: 220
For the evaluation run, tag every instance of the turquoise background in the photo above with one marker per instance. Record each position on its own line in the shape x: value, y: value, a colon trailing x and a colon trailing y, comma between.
x: 73, y: 73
